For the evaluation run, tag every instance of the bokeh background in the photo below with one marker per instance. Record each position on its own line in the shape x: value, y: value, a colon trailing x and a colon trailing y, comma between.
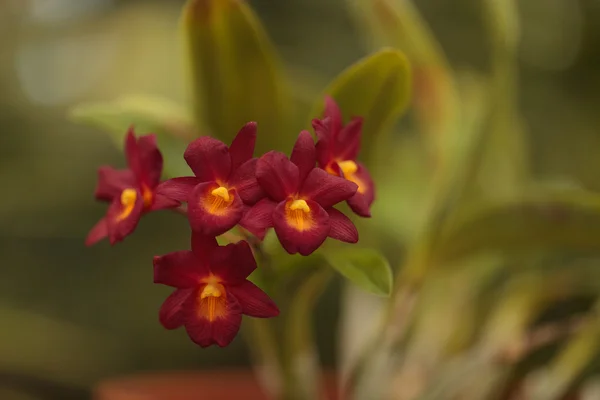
x: 71, y: 316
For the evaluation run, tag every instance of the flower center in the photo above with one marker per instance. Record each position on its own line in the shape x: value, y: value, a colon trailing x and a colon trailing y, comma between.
x: 148, y: 196
x: 347, y: 169
x: 298, y: 215
x: 218, y: 200
x: 212, y: 302
x: 128, y: 199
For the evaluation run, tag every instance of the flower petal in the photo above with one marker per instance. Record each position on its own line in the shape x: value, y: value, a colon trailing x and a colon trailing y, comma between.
x: 253, y: 301
x: 301, y: 239
x: 347, y: 145
x: 122, y: 220
x: 132, y: 152
x: 209, y: 159
x: 242, y: 147
x: 151, y: 161
x: 342, y: 227
x: 304, y: 154
x: 160, y: 202
x: 259, y: 218
x: 203, y: 246
x: 332, y: 111
x: 98, y: 232
x: 210, y: 214
x: 361, y: 202
x: 233, y: 263
x: 171, y: 314
x: 327, y: 189
x: 111, y: 182
x: 324, y: 142
x: 221, y: 331
x: 277, y: 175
x: 180, y: 269
x: 178, y: 188
x: 244, y: 181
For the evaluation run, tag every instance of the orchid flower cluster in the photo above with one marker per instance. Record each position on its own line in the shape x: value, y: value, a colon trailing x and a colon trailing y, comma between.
x: 295, y: 196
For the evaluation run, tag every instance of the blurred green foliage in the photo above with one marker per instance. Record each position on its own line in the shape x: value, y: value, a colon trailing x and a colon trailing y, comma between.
x: 73, y: 315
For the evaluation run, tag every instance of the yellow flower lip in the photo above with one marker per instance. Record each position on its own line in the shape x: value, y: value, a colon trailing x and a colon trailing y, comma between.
x: 128, y: 199
x: 299, y: 205
x: 221, y: 192
x: 211, y: 290
x: 348, y: 167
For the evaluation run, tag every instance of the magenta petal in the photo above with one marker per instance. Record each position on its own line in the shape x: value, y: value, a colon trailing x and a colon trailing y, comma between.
x: 253, y: 301
x: 242, y: 147
x: 203, y: 246
x: 171, y: 314
x: 322, y: 128
x: 304, y: 155
x: 361, y: 202
x: 327, y: 189
x: 303, y: 241
x: 132, y: 152
x: 98, y: 232
x: 161, y: 202
x: 151, y: 161
x: 277, y: 175
x: 332, y: 111
x: 342, y: 227
x: 120, y: 226
x: 209, y: 217
x: 178, y: 188
x: 259, y: 218
x: 221, y: 331
x: 111, y: 182
x: 209, y: 159
x: 233, y: 263
x: 180, y: 269
x: 244, y: 181
x: 347, y: 145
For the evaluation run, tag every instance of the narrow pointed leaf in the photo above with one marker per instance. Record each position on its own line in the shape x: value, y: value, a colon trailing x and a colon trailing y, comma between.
x: 376, y: 88
x: 234, y: 70
x: 172, y: 125
x: 366, y: 268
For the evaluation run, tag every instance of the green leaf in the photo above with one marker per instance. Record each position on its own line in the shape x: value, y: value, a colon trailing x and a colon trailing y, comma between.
x: 234, y: 70
x: 366, y: 268
x: 398, y: 23
x: 376, y: 88
x: 548, y: 221
x: 172, y: 125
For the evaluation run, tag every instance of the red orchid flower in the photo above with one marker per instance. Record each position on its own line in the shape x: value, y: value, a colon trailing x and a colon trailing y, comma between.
x: 131, y: 192
x: 212, y: 291
x: 337, y: 149
x: 224, y: 185
x: 300, y: 200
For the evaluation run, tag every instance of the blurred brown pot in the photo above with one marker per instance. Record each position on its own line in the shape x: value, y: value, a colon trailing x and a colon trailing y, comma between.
x: 221, y: 385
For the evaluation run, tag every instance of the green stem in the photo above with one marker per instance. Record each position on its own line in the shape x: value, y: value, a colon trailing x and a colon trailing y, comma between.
x: 301, y: 360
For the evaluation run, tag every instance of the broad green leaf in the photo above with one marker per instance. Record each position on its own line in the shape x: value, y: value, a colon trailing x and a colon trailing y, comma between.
x: 234, y: 70
x: 366, y: 268
x: 376, y: 88
x: 548, y: 221
x: 173, y: 127
x: 398, y: 23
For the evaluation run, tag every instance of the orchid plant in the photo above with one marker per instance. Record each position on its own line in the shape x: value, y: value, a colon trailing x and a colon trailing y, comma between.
x: 231, y: 188
x: 451, y: 202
